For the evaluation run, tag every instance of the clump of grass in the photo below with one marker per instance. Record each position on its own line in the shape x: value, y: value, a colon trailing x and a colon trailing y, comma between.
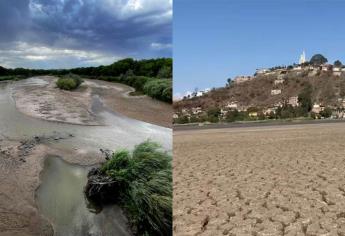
x: 69, y: 82
x: 144, y: 180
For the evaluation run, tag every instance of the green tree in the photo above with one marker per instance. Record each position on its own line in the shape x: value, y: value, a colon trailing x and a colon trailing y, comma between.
x: 327, y: 112
x: 165, y: 72
x: 213, y: 114
x: 229, y: 82
x: 232, y: 116
x: 338, y: 63
x: 305, y: 99
x: 318, y: 59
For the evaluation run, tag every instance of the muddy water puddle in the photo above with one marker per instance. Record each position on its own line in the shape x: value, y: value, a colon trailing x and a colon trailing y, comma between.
x: 61, y: 199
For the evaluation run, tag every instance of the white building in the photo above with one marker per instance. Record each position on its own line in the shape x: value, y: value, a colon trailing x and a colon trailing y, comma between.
x: 232, y: 105
x: 302, y: 58
x: 278, y: 81
x: 196, y: 110
x: 336, y: 71
x: 262, y: 71
x: 293, y: 101
x: 325, y: 67
x: 199, y: 93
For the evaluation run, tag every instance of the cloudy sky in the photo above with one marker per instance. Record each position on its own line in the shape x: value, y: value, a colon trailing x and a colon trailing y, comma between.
x: 72, y: 33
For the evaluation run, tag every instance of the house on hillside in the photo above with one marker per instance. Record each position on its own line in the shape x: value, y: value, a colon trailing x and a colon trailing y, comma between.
x: 278, y: 81
x: 317, y: 108
x: 326, y: 67
x: 269, y: 111
x: 196, y: 110
x: 337, y: 71
x: 232, y: 105
x: 276, y: 91
x: 241, y: 79
x: 293, y: 101
x: 262, y: 71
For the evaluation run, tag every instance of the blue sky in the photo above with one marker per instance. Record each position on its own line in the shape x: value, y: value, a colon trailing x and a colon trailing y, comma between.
x: 72, y: 33
x: 215, y: 40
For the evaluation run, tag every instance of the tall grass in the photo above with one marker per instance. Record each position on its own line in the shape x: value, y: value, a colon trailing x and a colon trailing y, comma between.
x: 144, y: 180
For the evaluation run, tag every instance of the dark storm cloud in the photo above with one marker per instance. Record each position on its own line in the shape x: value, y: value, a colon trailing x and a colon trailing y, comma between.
x: 14, y: 18
x: 112, y: 28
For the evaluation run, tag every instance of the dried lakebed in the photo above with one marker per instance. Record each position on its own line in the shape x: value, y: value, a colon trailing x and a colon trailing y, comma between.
x: 263, y: 181
x: 28, y: 143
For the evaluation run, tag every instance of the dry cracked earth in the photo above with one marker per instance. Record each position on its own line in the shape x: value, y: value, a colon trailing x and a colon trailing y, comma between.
x: 265, y: 181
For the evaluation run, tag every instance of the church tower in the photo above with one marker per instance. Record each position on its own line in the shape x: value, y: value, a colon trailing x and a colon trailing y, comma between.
x: 302, y: 58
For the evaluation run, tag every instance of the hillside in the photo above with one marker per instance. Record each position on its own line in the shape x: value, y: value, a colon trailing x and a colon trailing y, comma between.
x: 327, y: 90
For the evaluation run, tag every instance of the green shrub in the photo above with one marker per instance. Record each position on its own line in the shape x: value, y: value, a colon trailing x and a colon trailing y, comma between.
x: 145, y: 180
x: 69, y: 82
x: 159, y: 89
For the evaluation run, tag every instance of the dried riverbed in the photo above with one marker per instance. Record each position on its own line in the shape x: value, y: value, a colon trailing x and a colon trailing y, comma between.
x: 27, y: 139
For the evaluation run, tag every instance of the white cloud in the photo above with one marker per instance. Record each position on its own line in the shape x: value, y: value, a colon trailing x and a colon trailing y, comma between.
x: 22, y: 52
x: 35, y: 57
x: 139, y: 8
x: 160, y: 46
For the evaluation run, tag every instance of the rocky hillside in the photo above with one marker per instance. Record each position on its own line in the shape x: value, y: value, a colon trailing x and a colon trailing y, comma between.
x: 327, y: 89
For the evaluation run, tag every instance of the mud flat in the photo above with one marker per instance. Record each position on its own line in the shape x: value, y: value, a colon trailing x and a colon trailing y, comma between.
x: 281, y: 180
x: 40, y: 98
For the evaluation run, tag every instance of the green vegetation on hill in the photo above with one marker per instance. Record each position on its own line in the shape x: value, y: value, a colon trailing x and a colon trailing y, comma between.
x: 144, y: 187
x: 152, y: 77
x: 69, y: 82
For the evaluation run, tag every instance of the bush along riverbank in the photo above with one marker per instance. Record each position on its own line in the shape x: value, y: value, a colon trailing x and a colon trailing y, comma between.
x: 160, y: 89
x: 69, y: 82
x: 141, y: 183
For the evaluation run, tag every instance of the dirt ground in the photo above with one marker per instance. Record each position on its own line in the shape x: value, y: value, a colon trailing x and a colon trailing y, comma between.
x: 264, y: 181
x: 141, y: 108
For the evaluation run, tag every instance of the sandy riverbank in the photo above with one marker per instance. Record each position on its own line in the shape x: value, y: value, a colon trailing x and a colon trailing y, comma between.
x: 260, y: 181
x: 46, y: 101
x: 116, y: 97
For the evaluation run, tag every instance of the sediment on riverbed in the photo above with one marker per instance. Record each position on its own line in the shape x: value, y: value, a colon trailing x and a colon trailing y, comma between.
x: 46, y: 101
